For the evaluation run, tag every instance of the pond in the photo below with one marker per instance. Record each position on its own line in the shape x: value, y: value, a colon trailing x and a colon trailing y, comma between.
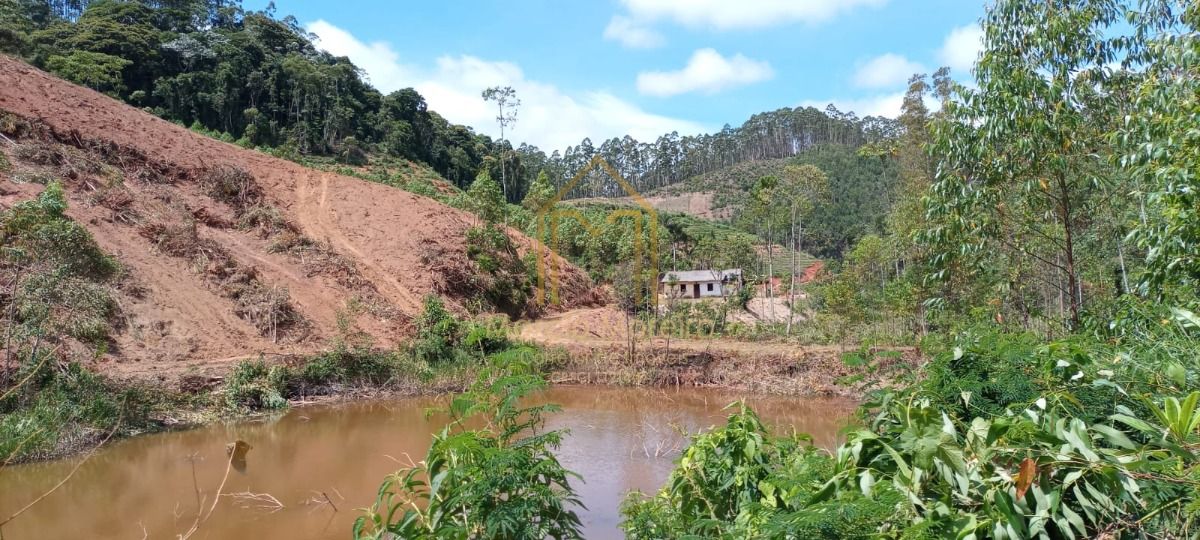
x: 150, y: 487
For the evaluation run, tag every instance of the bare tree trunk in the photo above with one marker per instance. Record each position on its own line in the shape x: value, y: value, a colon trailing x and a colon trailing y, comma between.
x: 792, y: 285
x: 1074, y: 287
x: 770, y: 271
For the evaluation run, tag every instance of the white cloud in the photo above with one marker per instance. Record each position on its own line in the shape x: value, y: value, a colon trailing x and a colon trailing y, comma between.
x: 381, y: 63
x: 549, y: 117
x: 886, y: 105
x: 962, y: 47
x: 886, y: 71
x: 743, y: 14
x: 707, y: 71
x: 632, y: 34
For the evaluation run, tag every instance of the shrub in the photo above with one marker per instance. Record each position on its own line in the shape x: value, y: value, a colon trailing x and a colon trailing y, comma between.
x: 438, y: 332
x: 64, y: 408
x: 499, y: 481
x: 232, y: 185
x: 61, y: 274
x: 253, y: 386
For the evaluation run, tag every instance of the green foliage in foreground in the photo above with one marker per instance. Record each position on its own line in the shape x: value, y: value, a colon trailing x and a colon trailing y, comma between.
x: 1005, y: 438
x: 498, y: 481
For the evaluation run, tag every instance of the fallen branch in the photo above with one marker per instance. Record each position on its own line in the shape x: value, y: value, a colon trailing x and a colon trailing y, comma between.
x: 264, y: 501
x: 201, y: 520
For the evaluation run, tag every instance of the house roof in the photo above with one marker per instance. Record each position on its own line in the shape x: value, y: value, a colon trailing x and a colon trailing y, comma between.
x: 692, y: 276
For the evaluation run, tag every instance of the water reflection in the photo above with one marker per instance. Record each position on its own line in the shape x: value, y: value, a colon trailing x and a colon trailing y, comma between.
x: 313, y: 460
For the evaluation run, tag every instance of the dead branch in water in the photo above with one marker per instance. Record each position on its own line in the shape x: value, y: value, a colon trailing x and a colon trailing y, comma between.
x: 262, y: 501
x: 200, y: 520
x: 320, y: 501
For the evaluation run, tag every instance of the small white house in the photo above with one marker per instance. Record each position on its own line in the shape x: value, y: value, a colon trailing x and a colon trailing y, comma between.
x: 700, y: 283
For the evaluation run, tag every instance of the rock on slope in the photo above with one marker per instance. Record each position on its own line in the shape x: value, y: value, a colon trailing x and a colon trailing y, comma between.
x: 336, y: 248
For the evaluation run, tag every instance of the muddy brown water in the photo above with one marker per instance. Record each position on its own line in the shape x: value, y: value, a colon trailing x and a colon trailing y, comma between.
x: 621, y: 439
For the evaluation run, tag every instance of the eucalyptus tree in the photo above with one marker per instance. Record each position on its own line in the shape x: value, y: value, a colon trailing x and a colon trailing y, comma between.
x: 1022, y: 170
x: 804, y: 187
x: 1161, y: 147
x: 507, y: 105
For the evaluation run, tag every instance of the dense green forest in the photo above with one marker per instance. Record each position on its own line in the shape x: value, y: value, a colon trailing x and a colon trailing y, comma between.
x: 249, y: 76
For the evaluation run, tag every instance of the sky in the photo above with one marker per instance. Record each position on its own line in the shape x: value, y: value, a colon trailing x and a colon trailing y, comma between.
x: 605, y: 69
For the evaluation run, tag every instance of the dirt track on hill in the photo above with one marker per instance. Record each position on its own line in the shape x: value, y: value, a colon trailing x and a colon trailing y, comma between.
x: 401, y: 246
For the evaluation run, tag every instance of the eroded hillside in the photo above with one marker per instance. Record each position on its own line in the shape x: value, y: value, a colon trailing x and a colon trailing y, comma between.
x: 226, y: 252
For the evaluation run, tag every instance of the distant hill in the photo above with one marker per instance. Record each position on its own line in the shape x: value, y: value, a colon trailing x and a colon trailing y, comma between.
x: 860, y: 187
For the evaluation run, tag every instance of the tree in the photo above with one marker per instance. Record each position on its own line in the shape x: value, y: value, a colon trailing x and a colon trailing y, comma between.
x: 485, y: 199
x: 804, y: 187
x: 1161, y: 146
x: 98, y: 71
x: 1021, y: 166
x: 765, y: 205
x: 507, y: 105
x: 541, y: 191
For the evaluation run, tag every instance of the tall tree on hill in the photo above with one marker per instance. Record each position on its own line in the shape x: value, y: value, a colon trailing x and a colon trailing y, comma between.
x: 506, y: 105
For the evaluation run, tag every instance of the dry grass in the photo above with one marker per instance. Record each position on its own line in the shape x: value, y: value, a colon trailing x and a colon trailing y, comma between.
x: 267, y: 307
x: 232, y: 185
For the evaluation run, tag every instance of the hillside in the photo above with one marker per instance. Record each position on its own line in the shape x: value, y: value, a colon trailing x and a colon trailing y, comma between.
x: 227, y: 252
x: 860, y: 188
x: 692, y: 241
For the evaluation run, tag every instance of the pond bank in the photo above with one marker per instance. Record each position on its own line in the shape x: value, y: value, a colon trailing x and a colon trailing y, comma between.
x: 621, y: 439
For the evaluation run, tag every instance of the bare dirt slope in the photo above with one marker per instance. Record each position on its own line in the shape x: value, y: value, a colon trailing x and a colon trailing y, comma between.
x: 369, y: 250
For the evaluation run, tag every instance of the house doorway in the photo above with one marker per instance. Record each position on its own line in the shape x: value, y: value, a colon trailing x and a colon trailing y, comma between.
x: 695, y: 290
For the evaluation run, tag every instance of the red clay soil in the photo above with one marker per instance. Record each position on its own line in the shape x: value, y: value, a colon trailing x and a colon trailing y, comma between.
x: 812, y: 272
x: 403, y: 245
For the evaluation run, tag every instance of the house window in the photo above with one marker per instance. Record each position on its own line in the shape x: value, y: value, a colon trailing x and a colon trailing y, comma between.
x: 682, y: 287
x: 710, y: 287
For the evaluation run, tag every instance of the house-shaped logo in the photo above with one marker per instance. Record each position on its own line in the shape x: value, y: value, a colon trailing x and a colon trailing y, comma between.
x: 641, y: 216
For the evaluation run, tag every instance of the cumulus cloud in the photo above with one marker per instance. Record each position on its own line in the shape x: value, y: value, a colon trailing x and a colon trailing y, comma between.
x: 549, y: 117
x: 886, y: 105
x: 378, y: 60
x: 708, y: 72
x: 962, y: 47
x: 743, y: 14
x: 632, y: 34
x: 886, y: 71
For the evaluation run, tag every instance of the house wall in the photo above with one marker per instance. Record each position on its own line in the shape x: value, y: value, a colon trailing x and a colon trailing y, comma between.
x: 716, y: 289
x: 679, y: 292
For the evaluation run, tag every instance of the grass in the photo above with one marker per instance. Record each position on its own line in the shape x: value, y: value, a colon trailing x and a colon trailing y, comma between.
x: 63, y: 409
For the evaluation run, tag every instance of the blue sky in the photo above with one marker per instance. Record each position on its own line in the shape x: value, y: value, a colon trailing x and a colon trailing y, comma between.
x: 644, y: 67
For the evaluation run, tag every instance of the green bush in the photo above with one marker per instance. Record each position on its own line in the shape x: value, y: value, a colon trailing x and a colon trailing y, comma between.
x: 60, y: 271
x: 438, y: 332
x: 64, y: 409
x: 253, y: 386
x: 499, y: 481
